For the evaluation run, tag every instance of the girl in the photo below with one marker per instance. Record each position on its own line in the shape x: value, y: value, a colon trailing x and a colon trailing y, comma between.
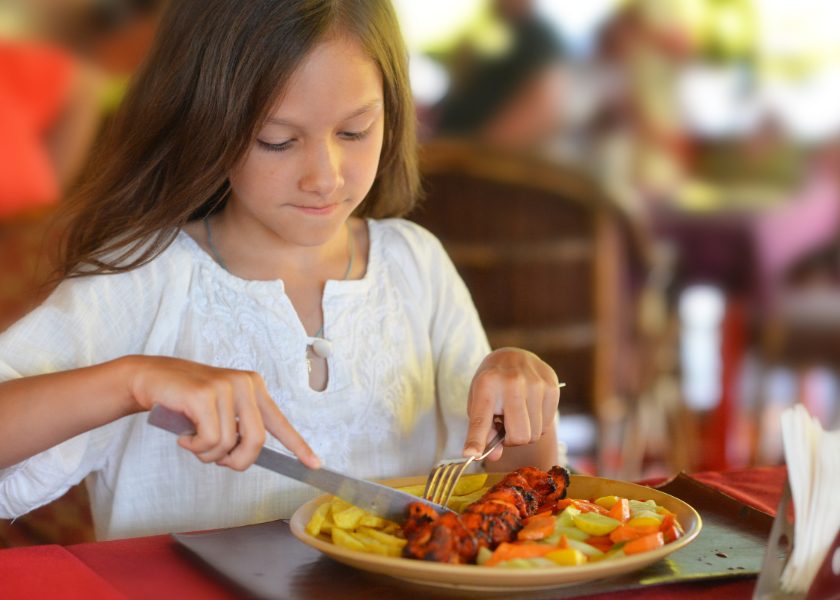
x: 214, y: 267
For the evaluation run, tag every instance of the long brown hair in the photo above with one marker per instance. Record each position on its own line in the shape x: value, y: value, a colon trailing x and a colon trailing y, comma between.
x: 212, y: 76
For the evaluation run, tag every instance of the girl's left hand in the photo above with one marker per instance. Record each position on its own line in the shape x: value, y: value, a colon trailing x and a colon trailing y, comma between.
x: 518, y: 386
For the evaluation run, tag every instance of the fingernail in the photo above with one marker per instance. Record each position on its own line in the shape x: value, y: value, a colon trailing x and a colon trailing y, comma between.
x: 470, y: 450
x: 316, y: 462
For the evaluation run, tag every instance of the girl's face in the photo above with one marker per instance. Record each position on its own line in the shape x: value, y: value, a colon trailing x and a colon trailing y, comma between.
x: 316, y: 158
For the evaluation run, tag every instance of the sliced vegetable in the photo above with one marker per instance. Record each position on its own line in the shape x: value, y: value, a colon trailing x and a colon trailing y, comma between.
x: 671, y: 528
x: 607, y: 501
x: 573, y: 533
x: 625, y: 533
x: 620, y: 511
x: 567, y: 517
x: 483, y: 555
x: 645, y: 543
x: 588, y: 550
x: 567, y: 557
x: 596, y: 524
x: 644, y: 521
x: 602, y: 542
x: 509, y: 551
x: 536, y: 529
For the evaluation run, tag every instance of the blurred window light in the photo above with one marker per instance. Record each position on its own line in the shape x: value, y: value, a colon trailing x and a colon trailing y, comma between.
x: 701, y: 310
x: 434, y: 24
x: 429, y: 79
x: 789, y: 27
x: 808, y: 109
x: 578, y: 22
x: 717, y: 100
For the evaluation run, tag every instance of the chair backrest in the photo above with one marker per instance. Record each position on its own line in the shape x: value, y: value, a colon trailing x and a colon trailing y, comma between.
x: 541, y: 249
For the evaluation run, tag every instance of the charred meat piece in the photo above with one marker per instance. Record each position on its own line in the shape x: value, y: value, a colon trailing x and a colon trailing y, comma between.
x: 495, y: 518
x: 521, y: 501
x: 419, y: 515
x: 542, y: 483
x: 561, y: 481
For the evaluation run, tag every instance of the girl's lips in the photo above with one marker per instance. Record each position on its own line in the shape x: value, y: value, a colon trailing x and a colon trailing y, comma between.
x: 314, y: 210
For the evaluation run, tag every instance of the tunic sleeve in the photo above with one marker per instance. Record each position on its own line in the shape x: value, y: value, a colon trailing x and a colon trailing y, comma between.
x: 85, y: 322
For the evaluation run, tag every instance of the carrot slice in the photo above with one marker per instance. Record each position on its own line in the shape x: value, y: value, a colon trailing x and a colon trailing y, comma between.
x: 586, y: 507
x: 645, y: 543
x: 539, y: 515
x: 671, y: 528
x: 620, y: 511
x: 536, y: 529
x: 563, y: 544
x: 601, y: 542
x: 625, y: 533
x: 508, y: 551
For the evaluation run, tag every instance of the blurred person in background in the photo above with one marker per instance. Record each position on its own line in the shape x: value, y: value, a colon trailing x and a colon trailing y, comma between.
x: 514, y: 99
x: 63, y: 67
x: 49, y: 116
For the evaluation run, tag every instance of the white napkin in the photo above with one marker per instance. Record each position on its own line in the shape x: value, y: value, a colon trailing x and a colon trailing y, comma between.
x: 813, y: 461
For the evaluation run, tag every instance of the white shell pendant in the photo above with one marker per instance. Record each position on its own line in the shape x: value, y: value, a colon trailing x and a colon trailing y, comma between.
x: 322, y: 348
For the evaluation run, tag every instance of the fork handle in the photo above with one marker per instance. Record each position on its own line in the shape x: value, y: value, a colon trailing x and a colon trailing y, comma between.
x: 500, y: 437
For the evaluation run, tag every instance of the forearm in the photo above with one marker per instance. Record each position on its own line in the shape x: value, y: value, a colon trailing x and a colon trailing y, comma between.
x: 39, y: 412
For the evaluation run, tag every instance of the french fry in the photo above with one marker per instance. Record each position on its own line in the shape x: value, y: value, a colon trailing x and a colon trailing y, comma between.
x: 462, y: 502
x: 414, y: 490
x: 382, y: 537
x: 369, y: 520
x: 466, y: 485
x: 348, y: 518
x: 346, y: 540
x: 375, y: 547
x: 469, y: 484
x: 313, y: 528
x: 328, y: 524
x: 339, y: 505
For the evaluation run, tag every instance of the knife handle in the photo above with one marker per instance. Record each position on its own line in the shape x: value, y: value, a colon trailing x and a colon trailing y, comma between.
x: 171, y: 421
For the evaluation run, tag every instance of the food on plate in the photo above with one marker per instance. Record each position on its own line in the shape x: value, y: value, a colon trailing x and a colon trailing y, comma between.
x: 347, y: 526
x: 496, y: 518
x: 523, y: 521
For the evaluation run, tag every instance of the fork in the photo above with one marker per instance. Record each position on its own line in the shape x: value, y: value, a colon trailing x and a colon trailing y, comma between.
x: 443, y: 478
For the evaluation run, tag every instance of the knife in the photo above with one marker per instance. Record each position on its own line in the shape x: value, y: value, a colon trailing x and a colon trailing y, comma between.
x: 375, y: 498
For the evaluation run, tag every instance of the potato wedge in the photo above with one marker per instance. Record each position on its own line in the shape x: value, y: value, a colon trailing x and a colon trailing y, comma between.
x: 466, y: 485
x: 313, y: 528
x: 382, y: 537
x: 328, y: 524
x: 369, y: 520
x: 348, y: 518
x: 346, y: 540
x: 375, y: 547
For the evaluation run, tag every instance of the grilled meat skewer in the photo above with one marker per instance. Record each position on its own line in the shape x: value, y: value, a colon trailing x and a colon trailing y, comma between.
x: 495, y: 518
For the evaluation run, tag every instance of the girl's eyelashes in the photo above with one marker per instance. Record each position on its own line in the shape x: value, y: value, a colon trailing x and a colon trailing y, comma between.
x: 347, y: 135
x: 275, y: 147
x: 355, y: 136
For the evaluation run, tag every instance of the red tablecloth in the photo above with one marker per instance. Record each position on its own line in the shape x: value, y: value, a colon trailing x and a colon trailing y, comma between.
x: 153, y: 568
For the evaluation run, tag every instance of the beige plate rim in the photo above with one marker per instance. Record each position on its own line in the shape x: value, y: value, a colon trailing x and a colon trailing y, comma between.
x: 473, y: 577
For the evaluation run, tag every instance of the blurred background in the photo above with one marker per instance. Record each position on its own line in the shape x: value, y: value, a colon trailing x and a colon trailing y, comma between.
x: 644, y: 192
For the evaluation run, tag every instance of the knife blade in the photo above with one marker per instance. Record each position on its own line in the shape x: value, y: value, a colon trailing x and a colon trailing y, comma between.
x: 375, y: 498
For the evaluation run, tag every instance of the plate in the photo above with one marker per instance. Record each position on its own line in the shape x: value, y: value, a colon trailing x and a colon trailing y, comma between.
x: 473, y: 577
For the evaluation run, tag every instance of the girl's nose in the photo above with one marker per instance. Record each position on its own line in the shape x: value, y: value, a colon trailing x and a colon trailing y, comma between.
x: 322, y: 172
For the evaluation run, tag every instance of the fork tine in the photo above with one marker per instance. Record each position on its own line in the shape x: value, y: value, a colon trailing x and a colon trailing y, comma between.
x: 443, y: 483
x: 432, y: 482
x: 457, y: 472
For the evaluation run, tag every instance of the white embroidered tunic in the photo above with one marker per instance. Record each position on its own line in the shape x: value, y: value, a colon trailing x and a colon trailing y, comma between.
x: 406, y: 342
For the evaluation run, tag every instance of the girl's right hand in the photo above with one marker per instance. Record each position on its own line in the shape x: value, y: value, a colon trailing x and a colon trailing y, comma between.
x: 222, y: 403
